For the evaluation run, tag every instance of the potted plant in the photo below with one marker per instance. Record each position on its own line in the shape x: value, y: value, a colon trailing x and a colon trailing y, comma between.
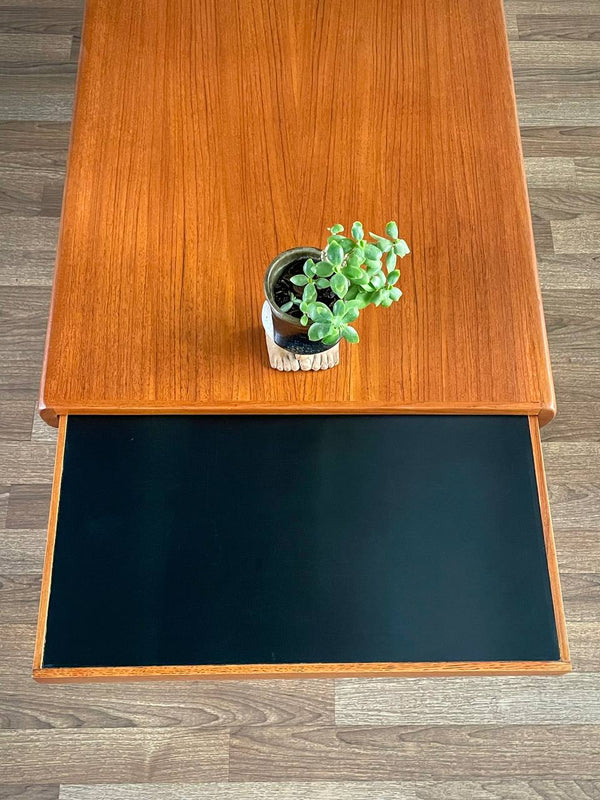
x: 315, y: 296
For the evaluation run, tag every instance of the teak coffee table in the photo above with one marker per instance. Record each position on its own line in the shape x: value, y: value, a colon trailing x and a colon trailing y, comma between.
x: 212, y: 517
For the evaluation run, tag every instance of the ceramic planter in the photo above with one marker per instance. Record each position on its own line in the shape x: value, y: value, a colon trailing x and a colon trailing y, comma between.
x: 288, y: 332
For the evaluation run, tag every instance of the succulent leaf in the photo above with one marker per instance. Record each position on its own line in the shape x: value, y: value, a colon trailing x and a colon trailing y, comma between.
x: 299, y: 280
x: 392, y: 230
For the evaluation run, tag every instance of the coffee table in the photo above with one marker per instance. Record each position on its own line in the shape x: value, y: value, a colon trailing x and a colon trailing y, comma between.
x: 210, y: 136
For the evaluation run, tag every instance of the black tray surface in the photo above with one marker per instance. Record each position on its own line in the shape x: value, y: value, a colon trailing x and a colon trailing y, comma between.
x: 195, y: 540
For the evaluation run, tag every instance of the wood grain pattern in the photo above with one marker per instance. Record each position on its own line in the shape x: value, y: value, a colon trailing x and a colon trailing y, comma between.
x: 587, y: 171
x: 559, y: 26
x: 49, y: 556
x: 19, y: 596
x: 26, y: 268
x: 28, y: 506
x: 39, y: 48
x: 186, y: 753
x: 38, y: 107
x: 39, y: 147
x: 579, y: 82
x: 295, y: 671
x: 410, y: 752
x: 571, y: 139
x: 559, y: 613
x: 571, y: 272
x: 61, y: 19
x: 310, y: 670
x: 512, y: 701
x: 554, y: 59
x: 15, y: 420
x: 210, y: 706
x: 24, y: 463
x: 580, y: 235
x: 22, y: 551
x: 556, y: 112
x: 30, y: 792
x: 565, y: 204
x: 349, y: 790
x: 549, y: 172
x: 249, y: 141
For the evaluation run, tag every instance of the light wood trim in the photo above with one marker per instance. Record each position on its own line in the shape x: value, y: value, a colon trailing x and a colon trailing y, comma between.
x: 255, y: 671
x: 559, y: 612
x: 49, y: 556
x: 310, y: 407
x: 50, y: 415
x: 238, y: 671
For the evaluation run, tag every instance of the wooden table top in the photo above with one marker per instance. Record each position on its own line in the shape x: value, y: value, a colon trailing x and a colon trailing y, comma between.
x: 209, y: 135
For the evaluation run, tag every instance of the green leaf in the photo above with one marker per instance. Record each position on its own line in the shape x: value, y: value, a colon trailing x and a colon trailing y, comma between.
x: 331, y: 338
x: 372, y: 252
x: 287, y: 306
x: 319, y: 312
x: 336, y: 228
x: 309, y: 267
x: 378, y: 280
x: 355, y: 260
x: 352, y: 292
x: 319, y: 316
x: 304, y: 319
x: 335, y: 254
x: 339, y: 307
x: 395, y: 293
x: 310, y: 293
x: 376, y: 297
x: 386, y: 302
x: 392, y: 230
x: 373, y: 266
x: 353, y: 273
x: 299, y: 280
x: 382, y: 243
x: 363, y: 299
x: 318, y: 330
x: 350, y: 315
x: 358, y: 231
x: 350, y: 334
x: 324, y: 269
x: 390, y: 261
x: 322, y: 283
x: 340, y: 284
x: 401, y: 248
x: 393, y: 277
x: 346, y: 243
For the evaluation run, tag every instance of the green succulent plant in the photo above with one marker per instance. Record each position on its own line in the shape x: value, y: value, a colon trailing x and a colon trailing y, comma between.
x: 359, y: 273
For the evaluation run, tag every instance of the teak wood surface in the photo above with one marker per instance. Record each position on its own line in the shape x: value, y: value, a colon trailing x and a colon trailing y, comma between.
x: 208, y: 671
x: 210, y: 135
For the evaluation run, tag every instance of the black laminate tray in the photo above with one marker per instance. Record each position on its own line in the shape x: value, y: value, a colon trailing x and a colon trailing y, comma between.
x: 273, y: 543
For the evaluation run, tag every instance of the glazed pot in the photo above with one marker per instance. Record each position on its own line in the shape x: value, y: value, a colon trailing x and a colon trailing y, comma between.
x: 288, y: 331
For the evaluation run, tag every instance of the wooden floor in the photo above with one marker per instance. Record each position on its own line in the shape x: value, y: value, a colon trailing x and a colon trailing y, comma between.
x: 450, y: 739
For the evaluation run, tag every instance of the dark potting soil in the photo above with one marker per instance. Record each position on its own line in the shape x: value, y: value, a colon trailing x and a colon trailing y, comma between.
x: 284, y: 287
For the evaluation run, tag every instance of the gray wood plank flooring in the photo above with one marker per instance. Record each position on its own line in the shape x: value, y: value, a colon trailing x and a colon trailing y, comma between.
x: 417, y: 739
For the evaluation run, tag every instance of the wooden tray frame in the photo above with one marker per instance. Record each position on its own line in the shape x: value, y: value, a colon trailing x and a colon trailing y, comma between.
x: 238, y: 671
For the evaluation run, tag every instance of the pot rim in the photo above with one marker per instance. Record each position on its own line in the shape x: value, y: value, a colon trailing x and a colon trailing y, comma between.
x: 274, y: 270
